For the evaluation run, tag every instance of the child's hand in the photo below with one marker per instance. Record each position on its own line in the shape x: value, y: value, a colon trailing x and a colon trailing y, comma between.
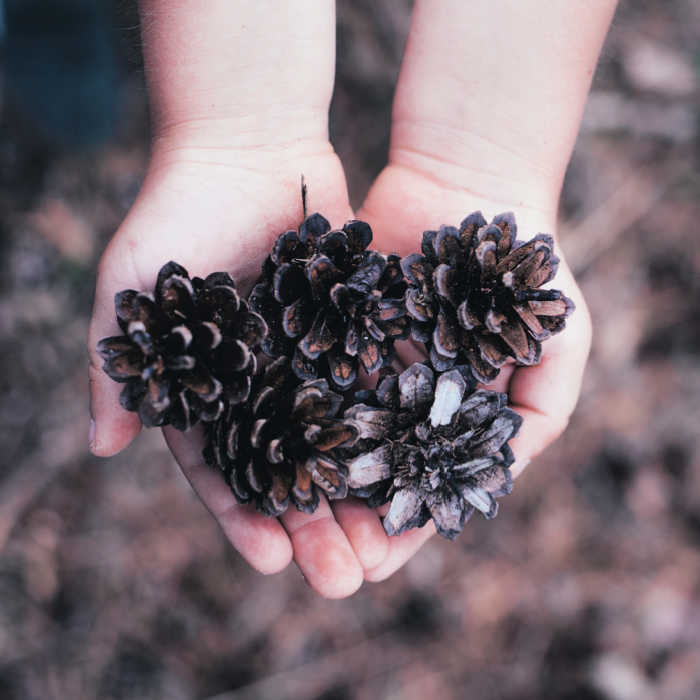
x: 486, y: 112
x: 544, y: 394
x: 221, y: 211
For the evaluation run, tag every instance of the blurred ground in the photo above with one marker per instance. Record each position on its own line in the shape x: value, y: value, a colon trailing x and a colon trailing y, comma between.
x: 114, y: 582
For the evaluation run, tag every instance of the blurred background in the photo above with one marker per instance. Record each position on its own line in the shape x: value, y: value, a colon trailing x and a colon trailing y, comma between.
x: 115, y: 582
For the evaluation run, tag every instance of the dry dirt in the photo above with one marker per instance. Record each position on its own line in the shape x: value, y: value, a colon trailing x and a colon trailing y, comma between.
x: 115, y: 583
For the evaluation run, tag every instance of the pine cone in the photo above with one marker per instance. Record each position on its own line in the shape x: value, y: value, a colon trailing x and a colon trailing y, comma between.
x: 439, y: 452
x: 186, y: 350
x: 275, y: 450
x: 474, y: 295
x: 330, y: 302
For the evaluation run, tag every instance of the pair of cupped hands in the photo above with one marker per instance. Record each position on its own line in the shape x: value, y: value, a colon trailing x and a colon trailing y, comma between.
x: 212, y: 207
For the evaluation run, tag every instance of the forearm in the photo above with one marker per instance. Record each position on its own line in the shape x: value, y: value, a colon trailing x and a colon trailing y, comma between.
x: 491, y: 93
x: 239, y: 74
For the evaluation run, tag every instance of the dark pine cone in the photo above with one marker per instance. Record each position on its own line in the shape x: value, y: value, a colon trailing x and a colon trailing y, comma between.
x: 331, y: 302
x: 439, y: 452
x: 474, y: 295
x: 275, y: 449
x: 186, y: 350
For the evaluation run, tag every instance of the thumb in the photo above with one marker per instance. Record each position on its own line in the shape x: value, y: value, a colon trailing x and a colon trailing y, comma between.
x: 112, y: 428
x: 546, y: 394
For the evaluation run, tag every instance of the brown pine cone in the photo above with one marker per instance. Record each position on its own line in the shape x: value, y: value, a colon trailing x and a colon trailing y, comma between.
x: 275, y: 449
x: 330, y: 302
x: 433, y: 450
x: 186, y: 349
x: 474, y: 295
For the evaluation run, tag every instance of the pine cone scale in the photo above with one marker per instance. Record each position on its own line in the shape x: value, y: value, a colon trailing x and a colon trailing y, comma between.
x: 322, y: 275
x: 335, y: 436
x: 369, y: 353
x: 501, y: 430
x: 123, y: 360
x: 523, y: 347
x: 138, y: 311
x: 289, y: 283
x: 342, y: 369
x: 370, y: 467
x: 175, y: 297
x: 531, y: 322
x: 367, y: 277
x: 448, y: 513
x: 305, y: 497
x: 494, y: 480
x: 319, y: 339
x: 328, y: 475
x: 404, y: 512
x: 555, y: 307
x: 297, y: 317
x: 445, y: 336
x: 203, y: 384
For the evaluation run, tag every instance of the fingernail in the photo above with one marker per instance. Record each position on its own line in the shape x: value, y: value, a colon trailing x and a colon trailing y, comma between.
x: 91, y: 434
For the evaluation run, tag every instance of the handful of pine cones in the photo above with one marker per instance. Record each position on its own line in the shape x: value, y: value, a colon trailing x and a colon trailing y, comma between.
x: 272, y: 377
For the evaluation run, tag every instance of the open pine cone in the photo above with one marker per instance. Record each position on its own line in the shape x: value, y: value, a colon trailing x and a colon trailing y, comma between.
x: 474, y: 295
x: 186, y: 350
x: 330, y: 302
x: 432, y: 450
x: 275, y: 449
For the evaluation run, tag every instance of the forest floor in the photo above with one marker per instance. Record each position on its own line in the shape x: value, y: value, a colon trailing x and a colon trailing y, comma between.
x: 114, y: 581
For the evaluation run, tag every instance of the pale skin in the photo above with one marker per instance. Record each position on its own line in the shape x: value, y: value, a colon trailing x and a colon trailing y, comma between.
x: 486, y: 112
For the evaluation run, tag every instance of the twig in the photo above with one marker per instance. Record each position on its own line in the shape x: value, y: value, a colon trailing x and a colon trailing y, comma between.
x: 304, y: 192
x: 310, y: 679
x: 60, y: 446
x: 599, y: 231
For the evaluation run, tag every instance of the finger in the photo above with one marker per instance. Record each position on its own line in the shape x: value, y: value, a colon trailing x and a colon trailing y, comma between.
x: 117, y: 427
x: 364, y: 531
x: 401, y: 549
x: 112, y: 428
x: 260, y: 540
x: 501, y: 384
x: 552, y: 387
x: 323, y: 552
x: 545, y: 395
x: 537, y: 432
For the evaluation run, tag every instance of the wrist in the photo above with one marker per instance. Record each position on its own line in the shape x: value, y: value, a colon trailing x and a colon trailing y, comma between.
x: 494, y: 183
x: 408, y: 198
x: 270, y: 129
x: 251, y: 144
x: 478, y: 166
x: 239, y: 73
